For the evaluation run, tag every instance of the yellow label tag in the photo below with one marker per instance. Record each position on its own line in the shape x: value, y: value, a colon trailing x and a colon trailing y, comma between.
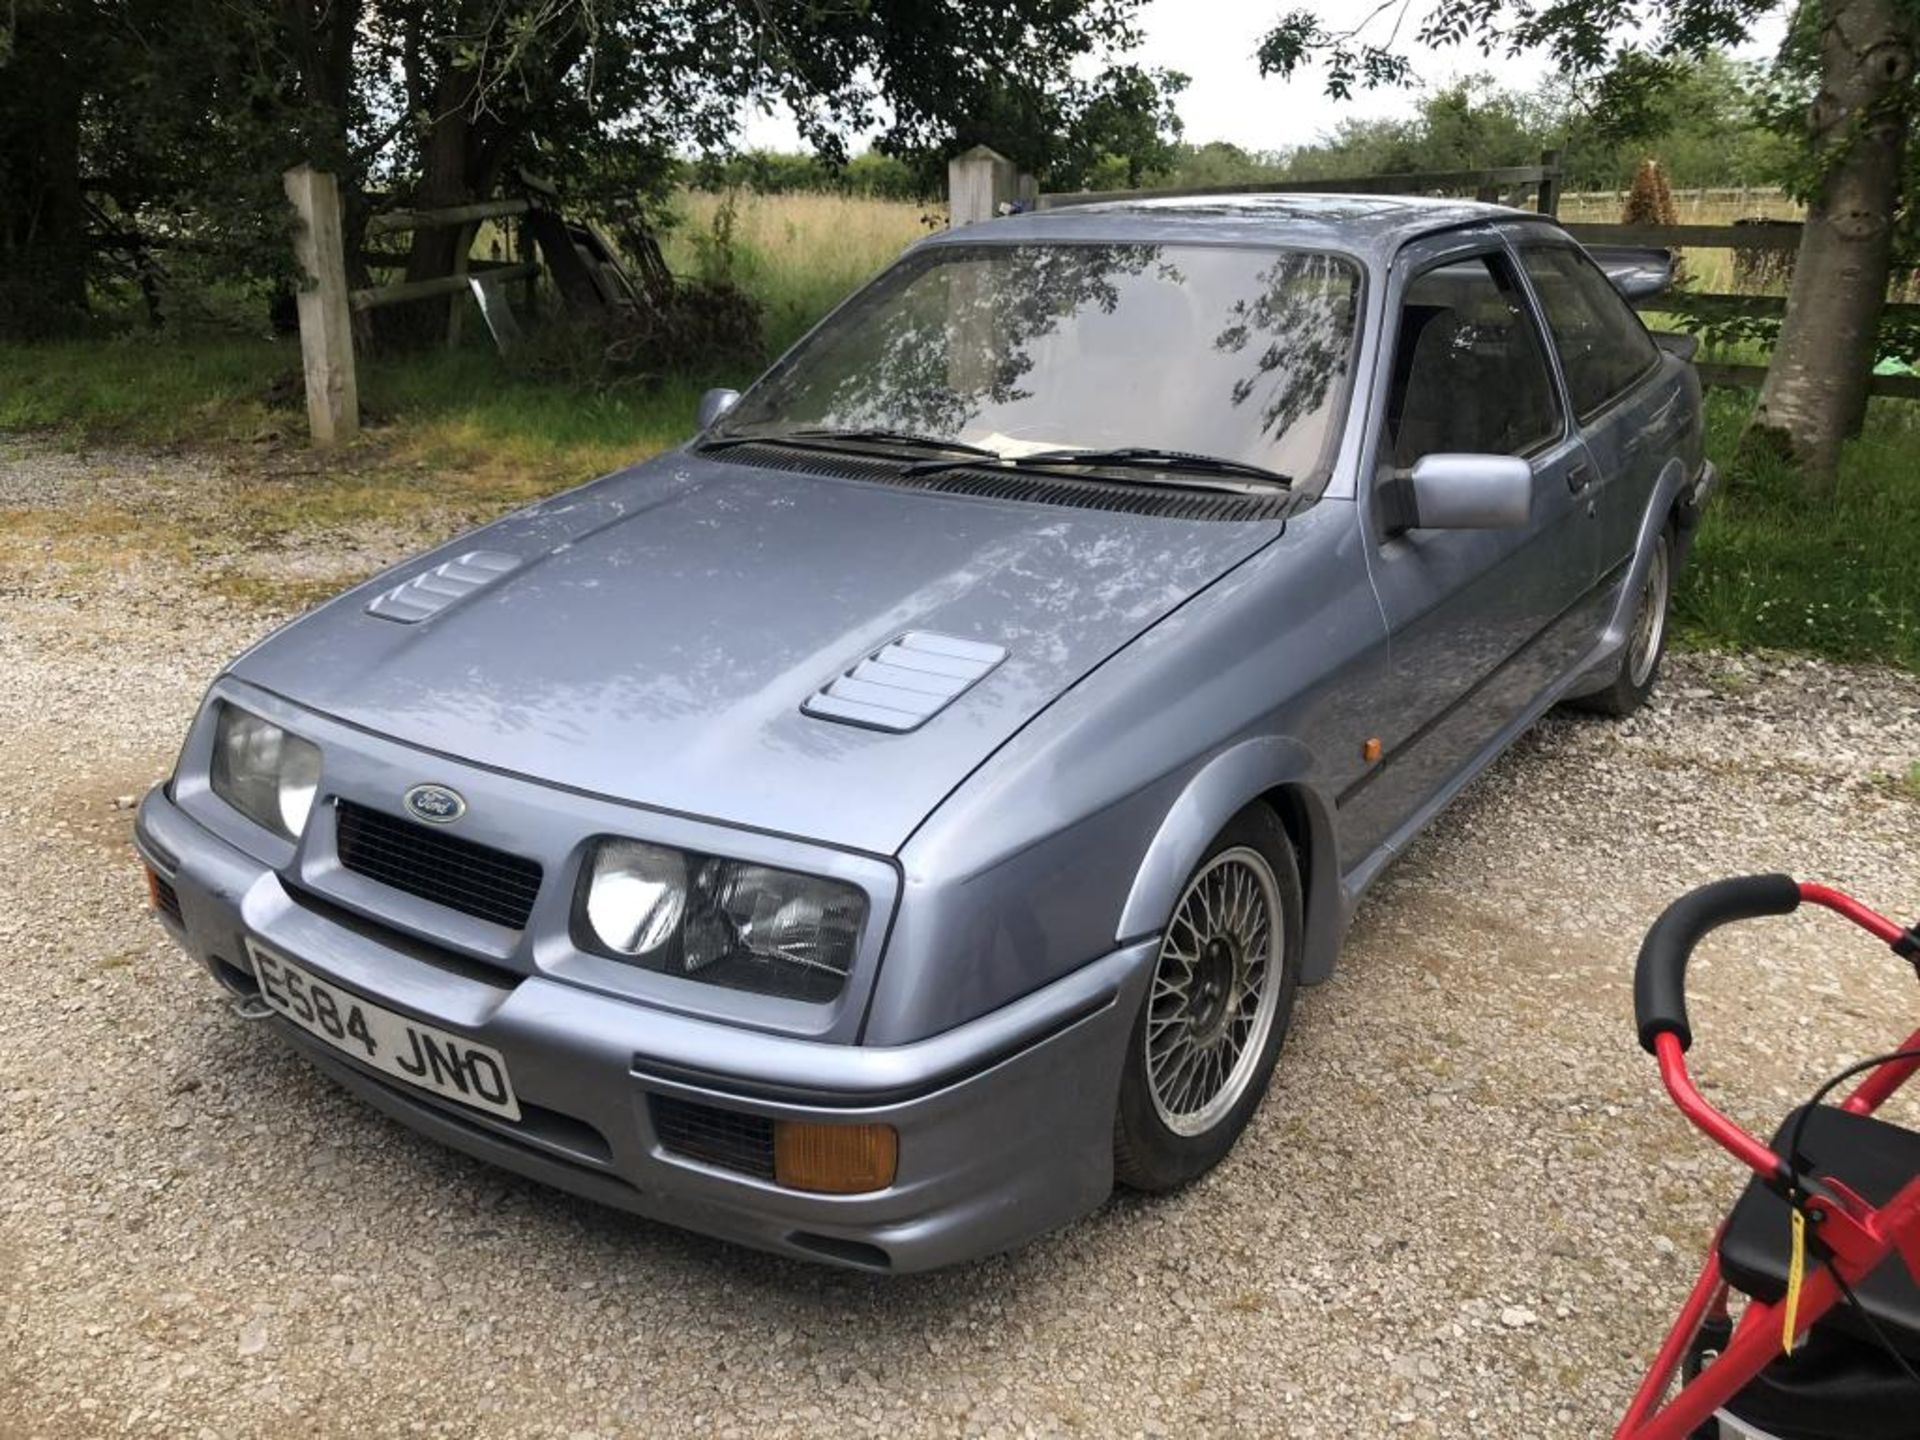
x: 1796, y: 1268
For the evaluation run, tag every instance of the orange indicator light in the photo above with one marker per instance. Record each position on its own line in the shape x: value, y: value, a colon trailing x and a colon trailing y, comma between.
x: 834, y: 1159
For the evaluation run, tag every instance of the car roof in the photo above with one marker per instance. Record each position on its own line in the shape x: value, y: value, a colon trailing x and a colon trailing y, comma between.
x: 1368, y: 225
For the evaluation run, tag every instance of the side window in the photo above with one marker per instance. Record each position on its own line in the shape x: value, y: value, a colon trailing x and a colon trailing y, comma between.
x: 1603, y: 346
x: 1469, y: 375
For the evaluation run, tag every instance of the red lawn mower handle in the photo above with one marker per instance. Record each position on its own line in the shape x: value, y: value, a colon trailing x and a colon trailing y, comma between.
x: 1660, y: 978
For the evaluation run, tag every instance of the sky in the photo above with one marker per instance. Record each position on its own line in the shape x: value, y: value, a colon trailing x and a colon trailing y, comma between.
x: 1212, y: 41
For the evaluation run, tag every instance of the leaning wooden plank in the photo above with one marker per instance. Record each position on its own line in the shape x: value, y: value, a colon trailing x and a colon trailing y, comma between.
x: 440, y: 285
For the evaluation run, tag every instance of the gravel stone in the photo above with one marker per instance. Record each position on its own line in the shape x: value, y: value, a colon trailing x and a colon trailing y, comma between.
x: 1445, y: 1221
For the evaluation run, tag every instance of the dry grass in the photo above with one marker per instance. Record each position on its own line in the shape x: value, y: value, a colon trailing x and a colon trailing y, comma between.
x: 85, y: 537
x: 799, y: 254
x: 1691, y: 207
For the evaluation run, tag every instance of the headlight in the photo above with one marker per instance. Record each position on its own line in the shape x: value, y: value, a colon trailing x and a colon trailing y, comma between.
x: 266, y: 774
x: 749, y: 927
x: 638, y: 896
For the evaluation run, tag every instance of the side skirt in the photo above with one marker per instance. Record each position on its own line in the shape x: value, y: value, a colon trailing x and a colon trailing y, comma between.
x: 1355, y: 882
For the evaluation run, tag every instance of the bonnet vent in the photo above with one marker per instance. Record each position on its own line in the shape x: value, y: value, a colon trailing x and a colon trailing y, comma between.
x: 433, y: 590
x: 905, y: 683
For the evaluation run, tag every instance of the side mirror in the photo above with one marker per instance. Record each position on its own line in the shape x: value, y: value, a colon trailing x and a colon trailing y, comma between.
x: 1462, y: 492
x: 713, y: 405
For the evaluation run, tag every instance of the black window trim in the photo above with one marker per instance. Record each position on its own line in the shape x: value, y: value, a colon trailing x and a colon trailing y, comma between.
x: 1500, y: 254
x: 1520, y: 245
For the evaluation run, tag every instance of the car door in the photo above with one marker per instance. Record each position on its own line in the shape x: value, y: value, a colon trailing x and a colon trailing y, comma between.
x: 1608, y: 362
x: 1480, y: 621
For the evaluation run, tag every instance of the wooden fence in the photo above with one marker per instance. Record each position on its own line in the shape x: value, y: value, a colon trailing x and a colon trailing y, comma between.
x: 983, y: 184
x: 327, y: 306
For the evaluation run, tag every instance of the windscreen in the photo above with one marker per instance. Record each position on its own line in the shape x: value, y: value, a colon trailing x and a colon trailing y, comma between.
x: 1231, y: 352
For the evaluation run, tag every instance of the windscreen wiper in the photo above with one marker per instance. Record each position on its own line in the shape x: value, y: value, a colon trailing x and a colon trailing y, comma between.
x: 825, y: 437
x: 1169, y: 463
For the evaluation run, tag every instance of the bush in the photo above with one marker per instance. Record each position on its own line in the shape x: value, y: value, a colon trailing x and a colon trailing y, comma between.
x: 1650, y: 201
x: 698, y: 327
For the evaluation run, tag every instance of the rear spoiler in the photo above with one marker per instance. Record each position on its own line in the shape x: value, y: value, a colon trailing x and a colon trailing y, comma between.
x: 1637, y: 271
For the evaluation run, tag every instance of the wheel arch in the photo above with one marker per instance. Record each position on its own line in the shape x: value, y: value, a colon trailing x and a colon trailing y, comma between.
x: 1269, y: 771
x: 1665, y: 508
x: 1662, y: 510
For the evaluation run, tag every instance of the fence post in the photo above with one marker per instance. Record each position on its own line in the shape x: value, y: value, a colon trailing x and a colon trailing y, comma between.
x: 326, y: 327
x: 979, y: 182
x: 1549, y: 201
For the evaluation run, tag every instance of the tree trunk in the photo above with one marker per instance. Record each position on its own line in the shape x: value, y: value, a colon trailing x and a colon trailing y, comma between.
x: 43, y: 221
x: 61, y: 238
x: 460, y: 159
x: 1815, y: 393
x: 443, y: 182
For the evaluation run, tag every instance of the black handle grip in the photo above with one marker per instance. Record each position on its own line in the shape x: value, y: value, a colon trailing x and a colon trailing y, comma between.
x: 1660, y: 979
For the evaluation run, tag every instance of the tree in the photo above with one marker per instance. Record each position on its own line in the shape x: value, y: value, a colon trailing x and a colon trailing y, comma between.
x: 1815, y: 393
x: 448, y: 98
x: 135, y: 136
x: 1858, y: 62
x: 436, y: 102
x: 42, y: 203
x: 1464, y: 125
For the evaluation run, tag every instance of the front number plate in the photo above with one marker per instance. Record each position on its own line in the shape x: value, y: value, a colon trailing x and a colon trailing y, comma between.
x: 418, y: 1054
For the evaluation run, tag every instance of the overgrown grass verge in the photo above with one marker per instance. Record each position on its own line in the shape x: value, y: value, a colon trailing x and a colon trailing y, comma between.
x: 1839, y: 576
x: 452, y: 439
x: 461, y: 404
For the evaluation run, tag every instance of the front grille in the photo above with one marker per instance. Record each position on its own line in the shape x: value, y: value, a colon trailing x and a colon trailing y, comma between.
x: 165, y: 898
x: 726, y: 1138
x: 474, y: 879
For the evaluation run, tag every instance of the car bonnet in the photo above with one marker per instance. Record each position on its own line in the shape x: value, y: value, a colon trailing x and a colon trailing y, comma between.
x: 654, y: 636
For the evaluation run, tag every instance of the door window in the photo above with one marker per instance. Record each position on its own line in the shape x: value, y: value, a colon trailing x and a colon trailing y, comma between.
x: 1469, y: 373
x: 1603, y: 346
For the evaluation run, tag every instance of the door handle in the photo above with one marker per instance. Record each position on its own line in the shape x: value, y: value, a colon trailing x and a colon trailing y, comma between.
x: 1579, y: 476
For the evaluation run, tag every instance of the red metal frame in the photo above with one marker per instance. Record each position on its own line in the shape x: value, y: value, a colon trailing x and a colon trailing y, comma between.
x: 1858, y: 1236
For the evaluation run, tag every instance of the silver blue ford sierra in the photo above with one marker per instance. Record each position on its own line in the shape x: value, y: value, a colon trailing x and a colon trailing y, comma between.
x: 874, y: 829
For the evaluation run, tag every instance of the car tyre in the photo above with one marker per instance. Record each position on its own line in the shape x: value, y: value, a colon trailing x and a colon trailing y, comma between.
x: 1646, y: 643
x: 1210, y: 1027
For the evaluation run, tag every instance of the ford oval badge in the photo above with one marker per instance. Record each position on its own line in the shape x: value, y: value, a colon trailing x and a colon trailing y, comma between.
x: 435, y: 804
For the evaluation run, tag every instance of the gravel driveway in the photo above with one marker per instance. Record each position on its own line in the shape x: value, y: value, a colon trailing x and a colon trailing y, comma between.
x: 1464, y: 1210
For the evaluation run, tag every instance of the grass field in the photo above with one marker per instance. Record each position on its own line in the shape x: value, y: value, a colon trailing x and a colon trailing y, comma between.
x: 799, y: 254
x: 459, y: 431
x: 1837, y: 577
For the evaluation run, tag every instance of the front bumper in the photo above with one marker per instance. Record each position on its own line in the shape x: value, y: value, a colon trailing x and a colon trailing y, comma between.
x: 1005, y: 1122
